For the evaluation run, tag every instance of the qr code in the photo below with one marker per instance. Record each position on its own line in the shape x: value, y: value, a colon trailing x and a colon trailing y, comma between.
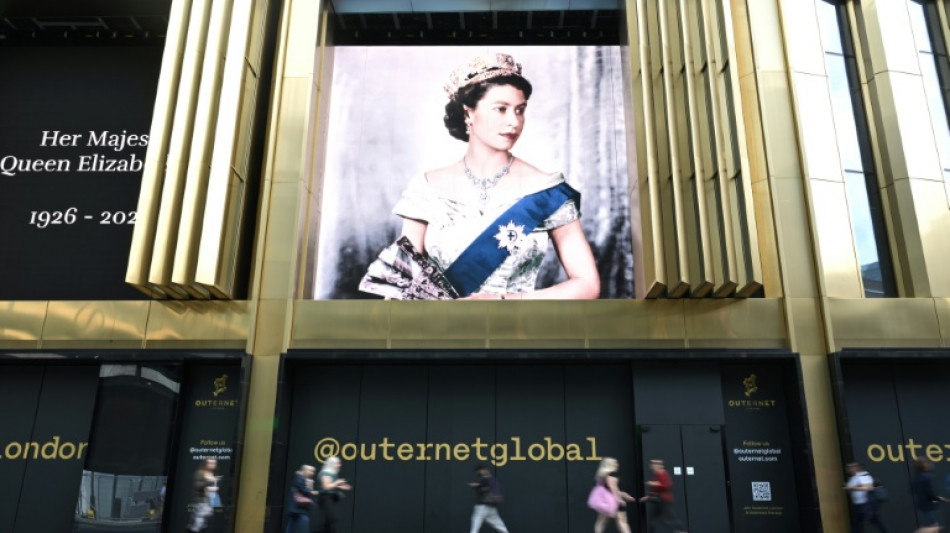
x: 761, y: 491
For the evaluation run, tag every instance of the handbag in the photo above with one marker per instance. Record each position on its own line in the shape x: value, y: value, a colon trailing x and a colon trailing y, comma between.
x: 301, y: 499
x: 214, y: 500
x: 602, y: 501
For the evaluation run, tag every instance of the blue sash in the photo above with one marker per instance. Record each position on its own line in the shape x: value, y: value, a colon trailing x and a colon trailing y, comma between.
x: 488, y: 251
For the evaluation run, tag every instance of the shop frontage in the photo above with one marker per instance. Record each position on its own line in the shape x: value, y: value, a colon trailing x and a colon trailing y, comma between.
x: 411, y: 427
x: 890, y: 413
x: 110, y: 441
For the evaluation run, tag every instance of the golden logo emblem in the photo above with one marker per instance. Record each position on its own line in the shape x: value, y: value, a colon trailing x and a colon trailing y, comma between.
x: 220, y: 384
x: 750, y: 386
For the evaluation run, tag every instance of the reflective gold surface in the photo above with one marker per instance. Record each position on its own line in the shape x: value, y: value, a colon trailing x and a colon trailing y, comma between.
x: 153, y: 173
x: 892, y: 322
x: 21, y: 324
x: 824, y: 439
x: 258, y: 437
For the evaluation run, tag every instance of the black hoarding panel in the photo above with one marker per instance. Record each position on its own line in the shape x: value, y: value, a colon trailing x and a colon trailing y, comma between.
x: 59, y: 441
x: 19, y: 394
x: 392, y: 418
x: 761, y: 468
x: 461, y: 418
x: 325, y: 413
x: 874, y: 421
x: 704, y: 477
x: 530, y: 421
x: 598, y: 409
x: 922, y: 399
x: 75, y: 128
x: 677, y: 393
x: 210, y: 417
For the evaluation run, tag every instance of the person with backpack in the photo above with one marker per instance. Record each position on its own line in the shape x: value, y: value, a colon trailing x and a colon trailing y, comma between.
x: 860, y: 486
x: 487, y: 498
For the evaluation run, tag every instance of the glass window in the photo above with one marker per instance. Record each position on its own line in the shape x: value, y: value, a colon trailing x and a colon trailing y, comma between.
x: 863, y: 194
x: 935, y: 69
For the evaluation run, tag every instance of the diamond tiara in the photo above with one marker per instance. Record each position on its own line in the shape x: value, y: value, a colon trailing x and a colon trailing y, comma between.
x: 481, y: 68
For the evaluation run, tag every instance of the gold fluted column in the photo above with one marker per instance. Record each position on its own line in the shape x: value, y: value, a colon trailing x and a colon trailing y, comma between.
x: 193, y: 213
x: 913, y: 183
x: 779, y: 64
x: 286, y: 194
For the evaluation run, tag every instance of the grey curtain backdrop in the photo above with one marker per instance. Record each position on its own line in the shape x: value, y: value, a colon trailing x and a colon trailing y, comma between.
x: 385, y: 127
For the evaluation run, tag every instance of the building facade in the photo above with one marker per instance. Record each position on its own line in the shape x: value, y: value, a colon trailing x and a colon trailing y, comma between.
x: 786, y: 208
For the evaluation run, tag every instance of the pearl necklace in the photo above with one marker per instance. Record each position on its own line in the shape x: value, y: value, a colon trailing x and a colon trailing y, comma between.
x: 485, y: 183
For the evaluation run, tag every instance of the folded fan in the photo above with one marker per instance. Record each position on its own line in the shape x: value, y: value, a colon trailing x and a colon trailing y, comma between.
x: 401, y: 272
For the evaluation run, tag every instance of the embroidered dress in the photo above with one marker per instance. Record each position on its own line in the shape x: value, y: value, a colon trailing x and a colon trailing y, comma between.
x: 454, y: 221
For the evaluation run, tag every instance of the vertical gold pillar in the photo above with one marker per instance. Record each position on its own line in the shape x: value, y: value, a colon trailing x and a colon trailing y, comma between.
x: 780, y: 63
x: 286, y: 191
x: 913, y: 182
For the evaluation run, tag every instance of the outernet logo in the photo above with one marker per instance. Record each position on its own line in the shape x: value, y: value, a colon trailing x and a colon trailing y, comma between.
x: 750, y: 386
x: 498, y: 453
x: 220, y: 384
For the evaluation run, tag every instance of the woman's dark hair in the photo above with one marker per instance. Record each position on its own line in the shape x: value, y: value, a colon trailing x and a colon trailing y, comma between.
x: 470, y: 95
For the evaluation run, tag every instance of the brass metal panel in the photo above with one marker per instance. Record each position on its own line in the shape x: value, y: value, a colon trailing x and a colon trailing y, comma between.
x: 823, y: 431
x: 884, y: 322
x: 96, y: 320
x: 196, y: 320
x: 340, y: 321
x: 742, y: 32
x: 749, y: 275
x: 889, y: 39
x: 942, y: 307
x: 792, y: 227
x: 679, y: 274
x: 806, y: 326
x: 226, y: 158
x: 902, y: 120
x: 538, y: 344
x: 778, y: 125
x: 536, y: 320
x: 923, y: 224
x: 766, y: 34
x: 435, y: 320
x: 701, y: 268
x: 637, y: 321
x: 196, y: 188
x: 933, y: 220
x: 276, y: 278
x: 272, y: 326
x: 302, y: 34
x: 635, y: 344
x: 153, y: 173
x: 655, y: 280
x: 802, y: 37
x: 21, y: 323
x: 744, y: 320
x: 257, y: 441
x: 767, y: 239
x: 432, y: 344
x: 836, y: 241
x: 169, y: 214
x: 727, y: 282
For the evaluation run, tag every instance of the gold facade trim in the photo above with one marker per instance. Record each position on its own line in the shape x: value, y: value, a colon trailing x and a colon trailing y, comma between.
x: 192, y: 204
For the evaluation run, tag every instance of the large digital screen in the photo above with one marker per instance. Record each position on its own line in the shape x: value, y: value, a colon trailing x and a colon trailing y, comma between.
x: 75, y: 130
x: 391, y: 158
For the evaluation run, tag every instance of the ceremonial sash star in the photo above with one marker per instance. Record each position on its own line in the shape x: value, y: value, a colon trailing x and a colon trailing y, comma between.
x: 510, y: 236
